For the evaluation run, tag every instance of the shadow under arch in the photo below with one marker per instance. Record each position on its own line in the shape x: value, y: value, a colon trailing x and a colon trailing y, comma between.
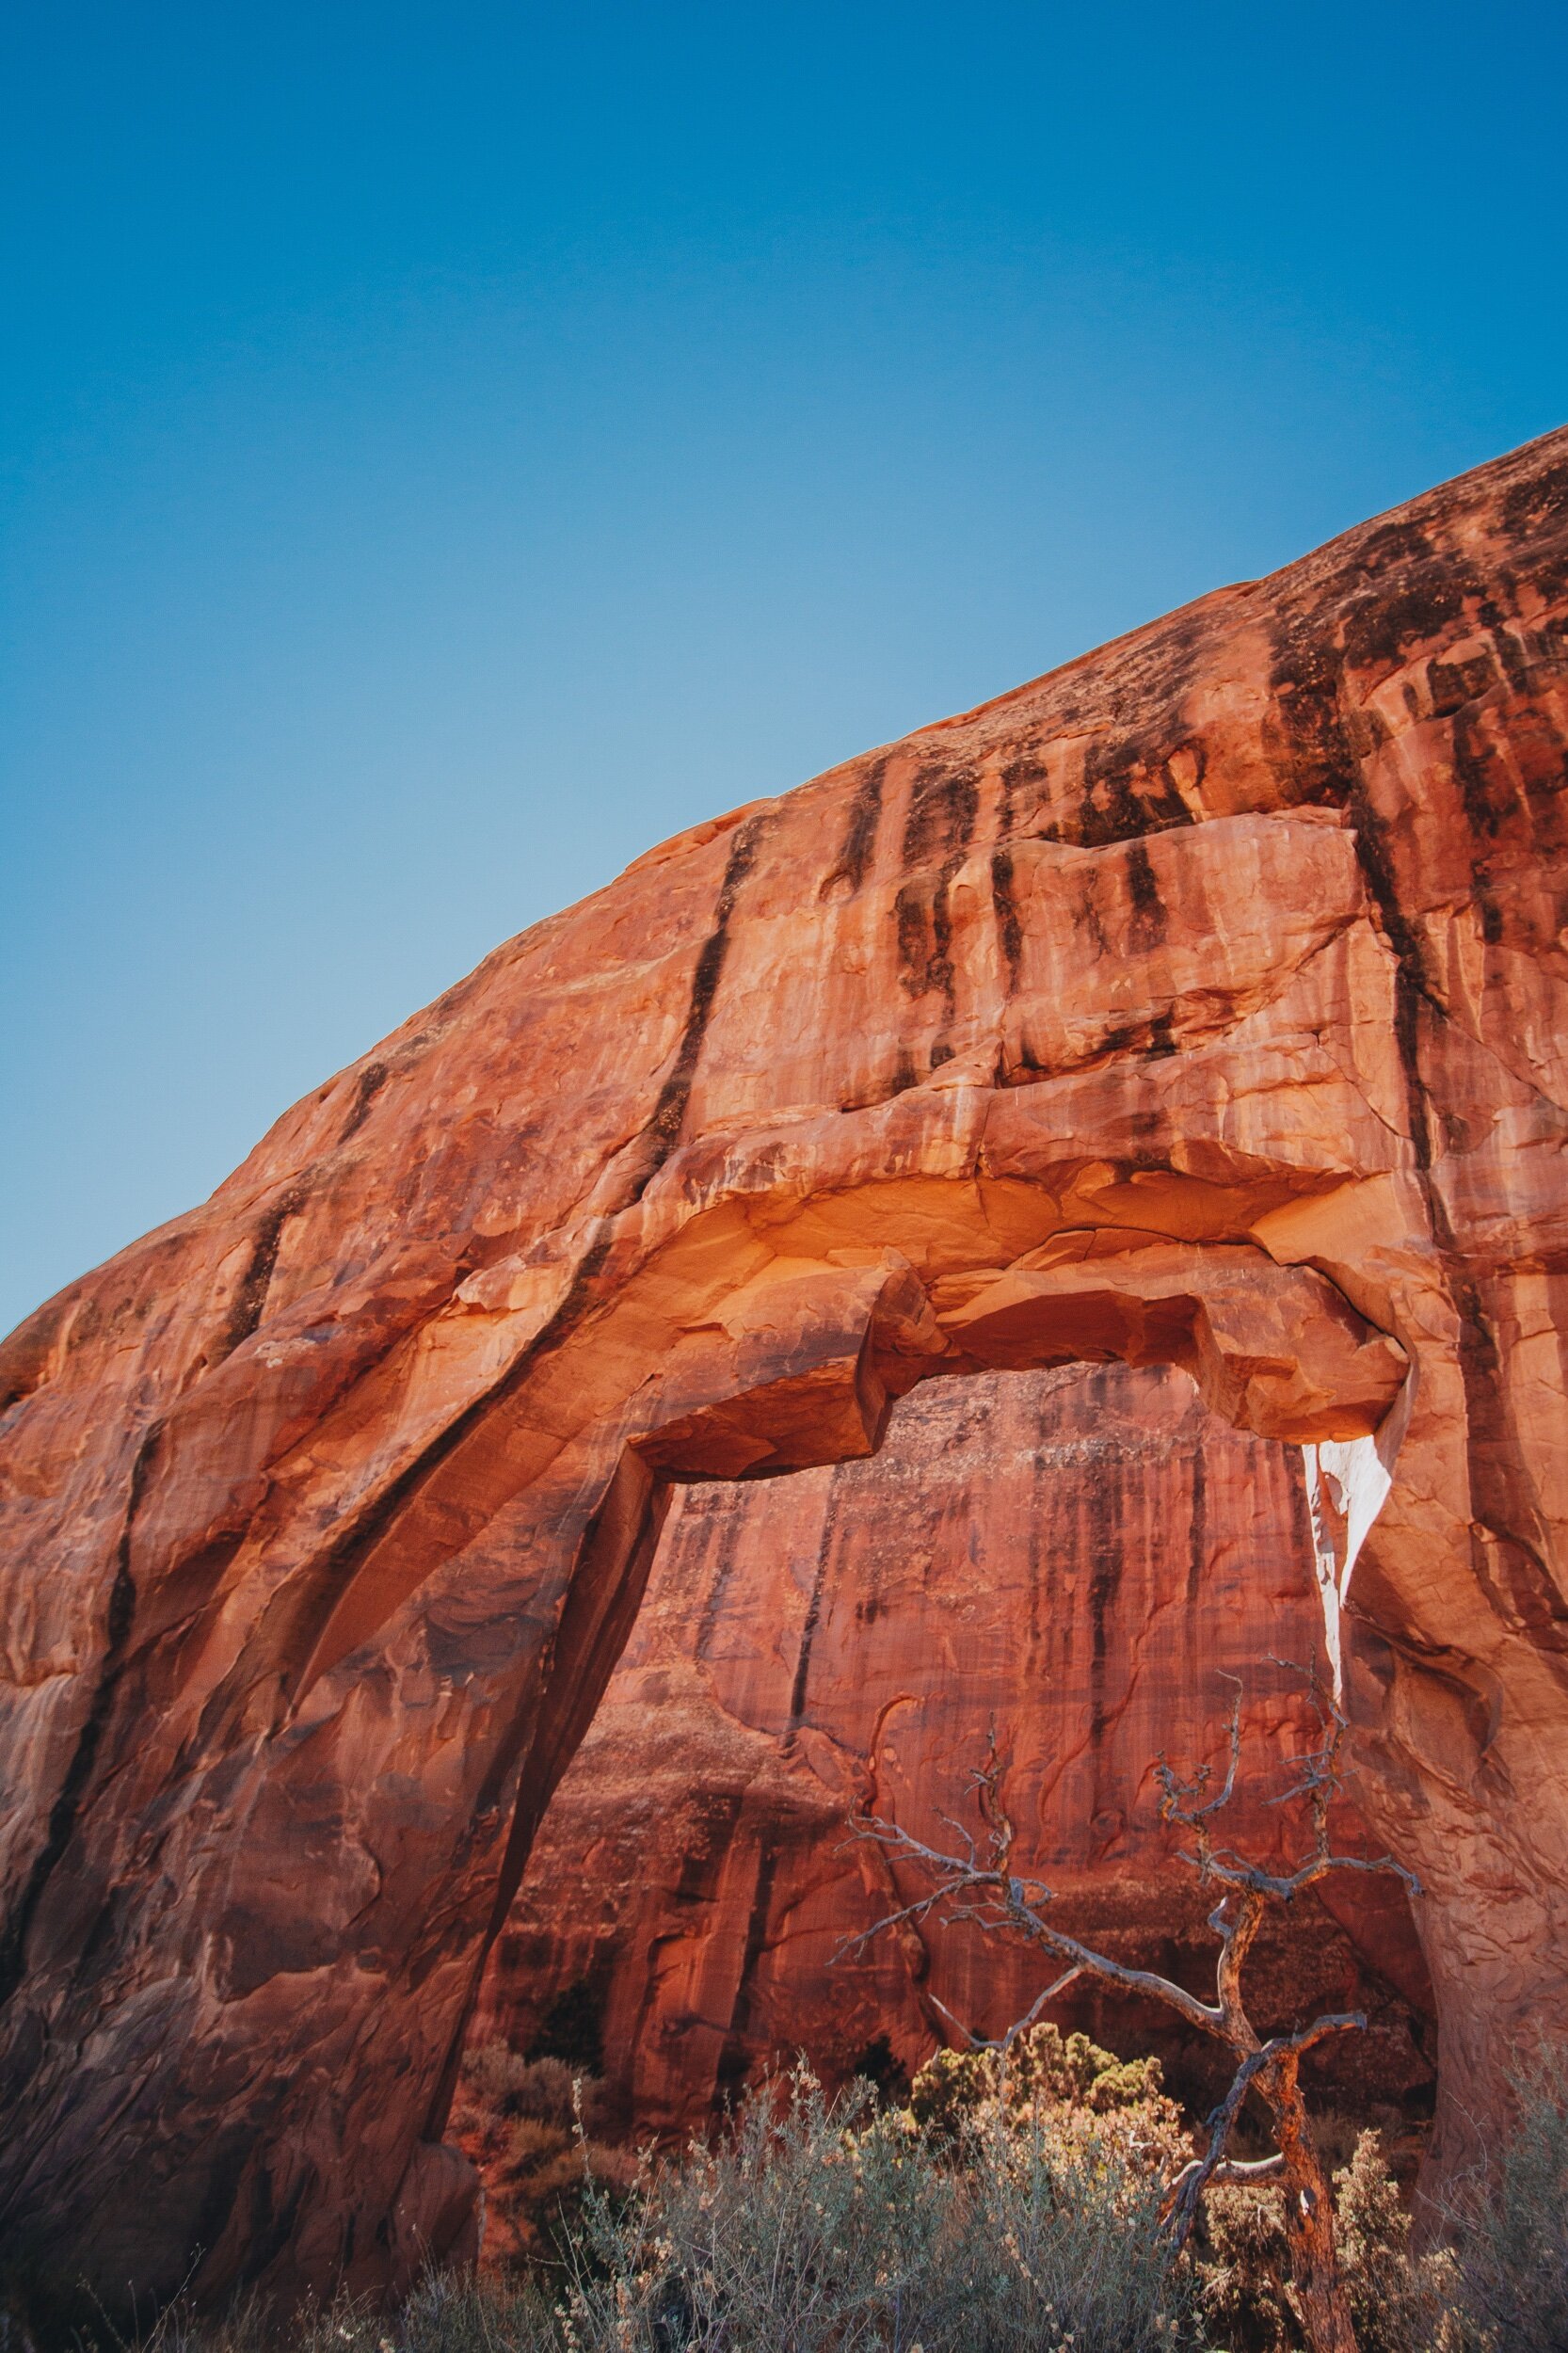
x: 1076, y: 1557
x: 399, y: 1706
x: 751, y: 1348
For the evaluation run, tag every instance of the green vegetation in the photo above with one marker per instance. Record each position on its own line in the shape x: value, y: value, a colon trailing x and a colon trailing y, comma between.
x: 1011, y: 2205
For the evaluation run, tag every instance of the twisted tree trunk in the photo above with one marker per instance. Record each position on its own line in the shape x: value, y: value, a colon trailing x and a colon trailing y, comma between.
x: 1324, y: 2309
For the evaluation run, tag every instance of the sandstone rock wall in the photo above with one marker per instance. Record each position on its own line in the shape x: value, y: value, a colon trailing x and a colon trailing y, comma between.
x: 1080, y: 1559
x: 1202, y: 1003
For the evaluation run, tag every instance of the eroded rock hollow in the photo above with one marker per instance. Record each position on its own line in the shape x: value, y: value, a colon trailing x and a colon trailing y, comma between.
x: 1202, y: 1004
x: 1080, y: 1559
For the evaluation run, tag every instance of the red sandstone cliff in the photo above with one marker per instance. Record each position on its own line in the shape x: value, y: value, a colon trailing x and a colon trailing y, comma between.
x: 1202, y: 1003
x: 1078, y: 1559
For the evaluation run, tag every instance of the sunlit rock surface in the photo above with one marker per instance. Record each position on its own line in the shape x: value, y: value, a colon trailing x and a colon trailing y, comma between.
x: 1203, y: 1004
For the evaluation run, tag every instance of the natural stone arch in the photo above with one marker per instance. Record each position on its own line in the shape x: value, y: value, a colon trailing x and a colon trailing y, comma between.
x: 1079, y: 1558
x: 430, y: 1689
x: 1195, y: 1004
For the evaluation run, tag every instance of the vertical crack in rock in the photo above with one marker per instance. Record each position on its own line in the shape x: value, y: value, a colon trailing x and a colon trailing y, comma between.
x: 64, y: 1814
x: 717, y: 1566
x: 250, y: 1300
x: 1312, y: 681
x: 373, y: 1077
x: 813, y: 1608
x: 1197, y: 1553
x: 1149, y: 924
x: 670, y: 1112
x: 1009, y: 929
x: 939, y: 823
x: 1103, y: 1512
x: 732, y: 2062
x: 859, y: 843
x: 939, y: 820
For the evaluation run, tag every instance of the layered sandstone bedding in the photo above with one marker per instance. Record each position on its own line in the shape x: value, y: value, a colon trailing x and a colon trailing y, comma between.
x: 1202, y: 1004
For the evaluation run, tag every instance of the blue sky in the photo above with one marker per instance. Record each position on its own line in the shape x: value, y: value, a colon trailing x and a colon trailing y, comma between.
x: 443, y: 452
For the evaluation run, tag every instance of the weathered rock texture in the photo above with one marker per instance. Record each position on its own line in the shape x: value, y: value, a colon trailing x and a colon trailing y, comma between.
x: 1204, y: 1002
x: 1078, y: 1558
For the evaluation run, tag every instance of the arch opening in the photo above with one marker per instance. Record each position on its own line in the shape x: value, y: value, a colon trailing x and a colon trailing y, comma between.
x: 1078, y: 1556
x: 404, y: 1697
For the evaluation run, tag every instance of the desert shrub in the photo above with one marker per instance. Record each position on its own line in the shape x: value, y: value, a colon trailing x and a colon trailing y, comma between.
x: 1060, y: 2236
x: 955, y: 2091
x: 1400, y: 2302
x: 1510, y: 2224
x: 527, y: 2124
x: 1017, y: 2200
x: 498, y: 2081
x: 950, y: 2092
x: 825, y: 2227
x: 810, y: 2226
x: 1004, y: 2211
x: 1243, y: 2268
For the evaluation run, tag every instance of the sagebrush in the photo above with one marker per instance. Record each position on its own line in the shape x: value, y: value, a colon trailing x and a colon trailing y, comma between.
x: 1011, y: 2205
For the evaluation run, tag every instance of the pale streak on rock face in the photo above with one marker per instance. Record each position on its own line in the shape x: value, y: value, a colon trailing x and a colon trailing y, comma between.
x: 1204, y: 1002
x: 1348, y: 1483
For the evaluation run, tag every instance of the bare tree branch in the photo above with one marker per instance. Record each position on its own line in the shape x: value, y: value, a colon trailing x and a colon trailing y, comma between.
x: 1181, y: 2209
x: 978, y: 1884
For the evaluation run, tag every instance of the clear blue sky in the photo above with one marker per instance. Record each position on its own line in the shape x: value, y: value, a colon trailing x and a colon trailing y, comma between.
x: 446, y: 450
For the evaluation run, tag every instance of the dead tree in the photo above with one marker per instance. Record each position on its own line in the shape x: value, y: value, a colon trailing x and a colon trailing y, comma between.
x: 980, y: 1884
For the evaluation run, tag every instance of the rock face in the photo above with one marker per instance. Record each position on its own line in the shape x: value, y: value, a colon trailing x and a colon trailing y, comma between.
x: 1203, y: 1004
x: 1079, y: 1558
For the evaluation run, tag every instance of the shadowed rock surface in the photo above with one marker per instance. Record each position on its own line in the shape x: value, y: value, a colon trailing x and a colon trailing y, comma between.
x: 1080, y: 1559
x: 1202, y: 1003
